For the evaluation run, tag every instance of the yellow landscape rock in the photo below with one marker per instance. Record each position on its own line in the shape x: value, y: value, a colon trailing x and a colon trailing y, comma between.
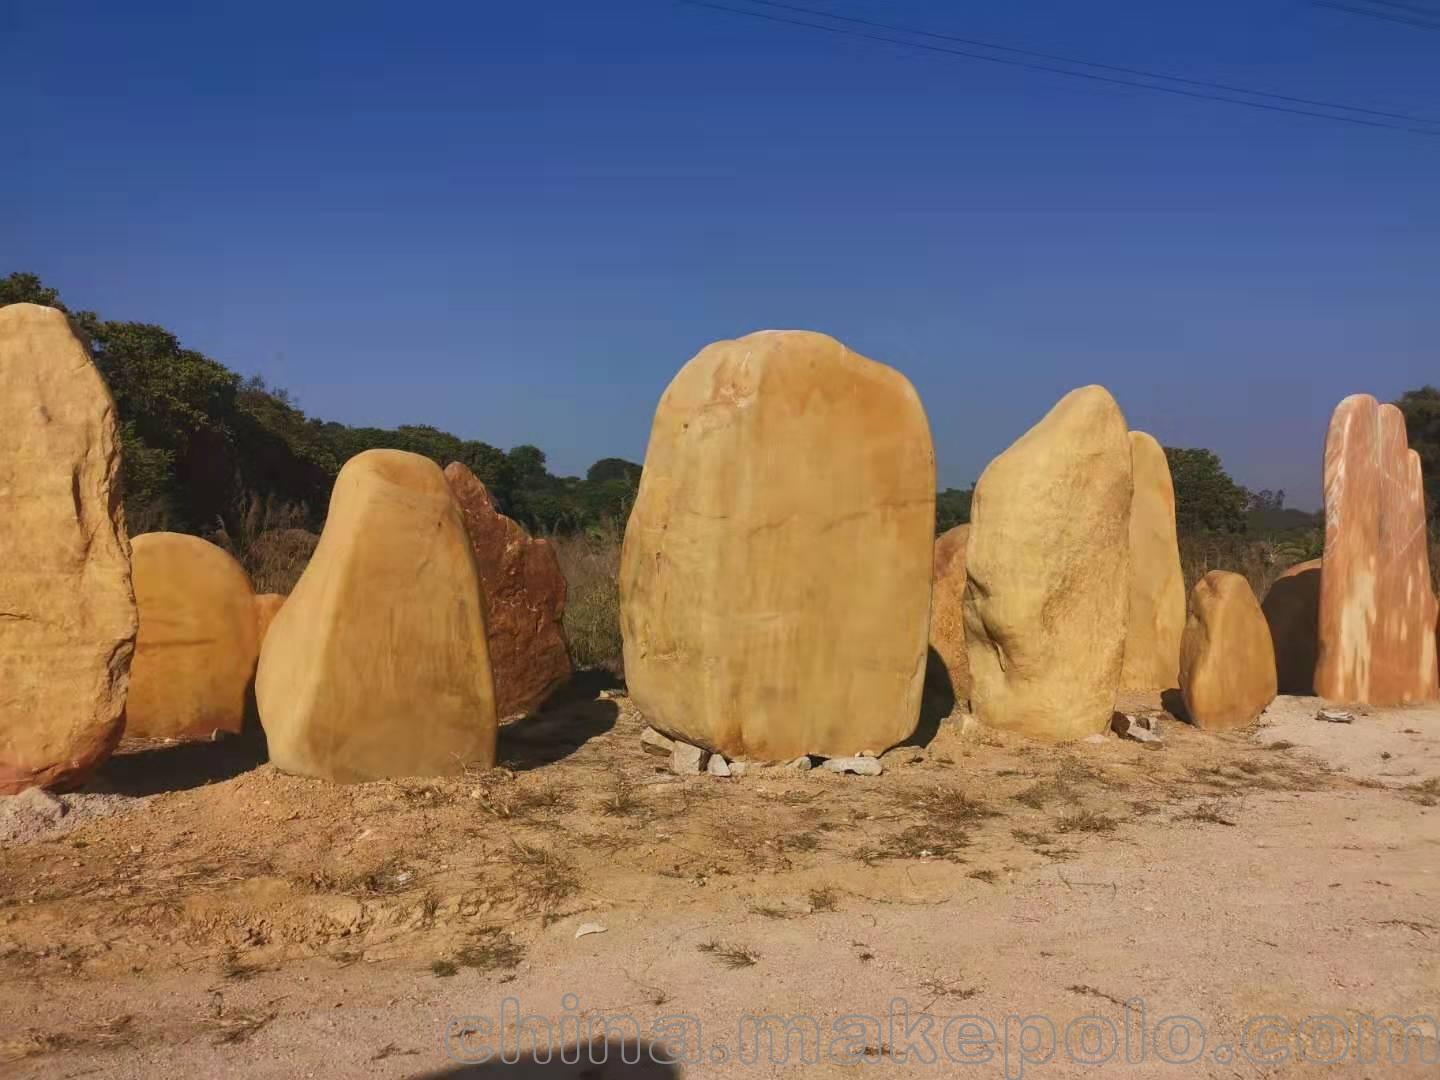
x: 947, y: 609
x: 1377, y: 602
x: 67, y: 612
x: 1227, y: 662
x: 377, y: 665
x: 1157, y: 586
x: 1292, y: 610
x: 1048, y: 564
x: 267, y: 606
x: 196, y: 650
x: 775, y: 578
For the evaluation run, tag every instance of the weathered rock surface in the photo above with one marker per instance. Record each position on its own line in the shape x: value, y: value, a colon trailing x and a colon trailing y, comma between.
x: 1048, y: 564
x: 377, y: 665
x: 524, y: 598
x: 1377, y: 605
x: 1292, y: 610
x: 947, y: 610
x: 1157, y: 585
x: 67, y: 612
x: 196, y: 651
x: 1227, y: 663
x: 775, y: 579
x: 267, y: 606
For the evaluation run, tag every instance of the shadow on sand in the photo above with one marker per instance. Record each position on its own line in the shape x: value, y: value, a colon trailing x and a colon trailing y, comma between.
x: 151, y: 769
x: 603, y: 1062
x: 572, y: 716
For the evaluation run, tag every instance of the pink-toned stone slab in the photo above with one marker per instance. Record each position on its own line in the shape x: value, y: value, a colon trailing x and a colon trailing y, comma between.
x: 1377, y: 606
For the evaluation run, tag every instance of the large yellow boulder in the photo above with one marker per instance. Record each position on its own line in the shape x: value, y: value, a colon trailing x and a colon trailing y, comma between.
x: 376, y: 665
x: 775, y: 578
x: 947, y: 610
x: 1157, y: 585
x: 67, y: 612
x: 196, y: 651
x: 1227, y: 662
x: 1377, y: 603
x: 1048, y: 564
x: 1292, y: 610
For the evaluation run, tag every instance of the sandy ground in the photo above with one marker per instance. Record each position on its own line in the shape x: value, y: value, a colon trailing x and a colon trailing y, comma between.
x: 239, y: 922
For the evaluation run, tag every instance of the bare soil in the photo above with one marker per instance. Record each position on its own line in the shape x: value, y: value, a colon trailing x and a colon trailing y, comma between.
x: 235, y: 921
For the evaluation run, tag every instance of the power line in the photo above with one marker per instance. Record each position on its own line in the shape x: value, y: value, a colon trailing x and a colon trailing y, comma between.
x: 1227, y: 87
x: 1415, y: 8
x: 1065, y: 71
x: 1386, y: 15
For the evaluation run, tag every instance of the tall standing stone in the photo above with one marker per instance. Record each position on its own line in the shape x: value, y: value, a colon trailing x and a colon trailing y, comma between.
x: 1377, y: 606
x: 1157, y: 586
x: 67, y: 612
x: 377, y: 664
x: 947, y: 609
x: 524, y: 598
x: 1227, y: 661
x: 775, y: 578
x: 1292, y: 610
x: 198, y: 642
x: 1048, y: 564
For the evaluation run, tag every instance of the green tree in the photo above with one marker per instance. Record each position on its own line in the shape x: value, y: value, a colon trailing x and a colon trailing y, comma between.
x: 1422, y: 424
x: 952, y: 507
x: 1206, y: 499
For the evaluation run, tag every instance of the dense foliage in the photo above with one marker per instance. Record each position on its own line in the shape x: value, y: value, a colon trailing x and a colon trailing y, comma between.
x: 200, y: 442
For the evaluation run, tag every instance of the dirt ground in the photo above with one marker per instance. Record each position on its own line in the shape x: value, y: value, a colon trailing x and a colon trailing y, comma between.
x: 234, y: 921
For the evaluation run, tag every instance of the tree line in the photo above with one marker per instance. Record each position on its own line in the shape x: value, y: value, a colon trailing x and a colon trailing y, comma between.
x: 200, y: 442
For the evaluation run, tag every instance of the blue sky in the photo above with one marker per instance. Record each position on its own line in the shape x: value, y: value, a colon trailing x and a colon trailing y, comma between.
x: 517, y: 220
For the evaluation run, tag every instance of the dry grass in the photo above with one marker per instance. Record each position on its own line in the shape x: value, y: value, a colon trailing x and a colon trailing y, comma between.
x: 490, y: 949
x: 1211, y: 813
x: 271, y: 541
x: 824, y: 899
x: 543, y: 879
x: 1085, y: 821
x: 590, y: 562
x: 730, y: 956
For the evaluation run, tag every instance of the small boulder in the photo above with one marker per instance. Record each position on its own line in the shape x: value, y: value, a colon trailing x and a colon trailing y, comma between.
x: 860, y: 766
x: 196, y: 651
x: 524, y: 598
x: 687, y: 759
x: 1227, y: 663
x: 1292, y: 610
x: 800, y: 764
x: 377, y: 666
x: 652, y: 742
x: 947, y: 615
x: 717, y: 766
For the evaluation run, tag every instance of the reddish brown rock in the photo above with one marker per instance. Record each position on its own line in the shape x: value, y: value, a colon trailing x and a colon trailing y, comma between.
x: 1377, y: 606
x: 267, y: 606
x: 1292, y: 608
x: 524, y: 597
x: 67, y: 611
x: 947, y: 609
